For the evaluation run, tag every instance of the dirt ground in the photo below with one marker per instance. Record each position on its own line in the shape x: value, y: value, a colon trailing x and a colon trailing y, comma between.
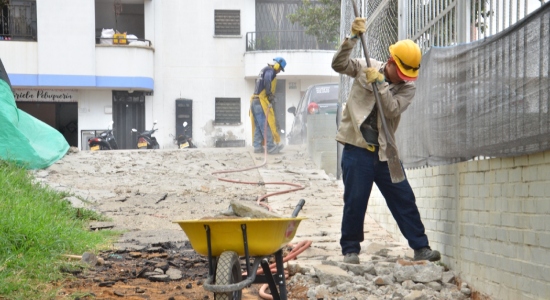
x: 143, y: 191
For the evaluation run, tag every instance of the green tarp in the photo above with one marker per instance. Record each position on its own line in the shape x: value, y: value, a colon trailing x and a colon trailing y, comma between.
x: 24, y: 139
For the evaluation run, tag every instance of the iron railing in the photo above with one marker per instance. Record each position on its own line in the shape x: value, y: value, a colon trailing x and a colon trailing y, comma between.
x: 285, y: 40
x: 18, y: 21
x: 441, y: 23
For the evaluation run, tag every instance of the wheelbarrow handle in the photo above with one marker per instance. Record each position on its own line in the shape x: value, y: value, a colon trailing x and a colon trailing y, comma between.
x: 298, y: 208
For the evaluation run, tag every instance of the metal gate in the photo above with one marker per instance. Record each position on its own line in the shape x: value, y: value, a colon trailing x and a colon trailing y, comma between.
x: 128, y: 113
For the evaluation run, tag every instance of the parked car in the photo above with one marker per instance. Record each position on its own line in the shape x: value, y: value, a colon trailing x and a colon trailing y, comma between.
x: 318, y: 99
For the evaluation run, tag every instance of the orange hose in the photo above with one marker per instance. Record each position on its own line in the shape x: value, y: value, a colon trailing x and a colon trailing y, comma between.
x: 297, y: 187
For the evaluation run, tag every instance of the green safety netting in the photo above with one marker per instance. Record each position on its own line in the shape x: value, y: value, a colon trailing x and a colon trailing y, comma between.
x: 24, y: 139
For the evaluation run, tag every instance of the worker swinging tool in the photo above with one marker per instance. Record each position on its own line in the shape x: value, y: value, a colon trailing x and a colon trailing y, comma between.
x: 380, y: 94
x: 394, y: 164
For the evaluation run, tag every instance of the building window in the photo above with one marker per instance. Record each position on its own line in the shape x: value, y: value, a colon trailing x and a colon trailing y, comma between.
x: 228, y: 111
x: 18, y: 20
x: 227, y: 22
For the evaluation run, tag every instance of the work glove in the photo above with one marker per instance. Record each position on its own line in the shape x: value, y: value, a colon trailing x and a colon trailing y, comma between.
x: 358, y: 26
x: 271, y: 98
x: 374, y: 76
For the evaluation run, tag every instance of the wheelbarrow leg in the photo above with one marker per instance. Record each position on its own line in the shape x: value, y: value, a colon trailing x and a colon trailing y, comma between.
x: 280, y: 273
x: 275, y: 279
x: 210, y: 260
x: 269, y: 279
x: 245, y: 245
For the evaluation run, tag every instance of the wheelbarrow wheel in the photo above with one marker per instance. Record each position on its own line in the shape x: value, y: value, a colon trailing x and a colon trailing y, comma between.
x: 228, y: 271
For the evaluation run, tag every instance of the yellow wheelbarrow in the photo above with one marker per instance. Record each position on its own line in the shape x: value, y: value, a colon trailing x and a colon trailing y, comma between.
x: 224, y: 241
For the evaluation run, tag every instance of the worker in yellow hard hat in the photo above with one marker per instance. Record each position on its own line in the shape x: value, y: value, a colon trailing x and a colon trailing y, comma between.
x: 261, y: 108
x: 364, y: 159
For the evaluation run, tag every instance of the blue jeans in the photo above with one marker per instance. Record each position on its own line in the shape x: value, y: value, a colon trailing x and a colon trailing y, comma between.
x: 360, y: 169
x: 260, y: 130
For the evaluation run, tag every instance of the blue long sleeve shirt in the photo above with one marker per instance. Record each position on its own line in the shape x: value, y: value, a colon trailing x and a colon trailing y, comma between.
x: 264, y: 79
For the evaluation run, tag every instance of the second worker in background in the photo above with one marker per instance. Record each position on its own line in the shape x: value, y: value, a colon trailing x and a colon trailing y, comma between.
x: 262, y: 105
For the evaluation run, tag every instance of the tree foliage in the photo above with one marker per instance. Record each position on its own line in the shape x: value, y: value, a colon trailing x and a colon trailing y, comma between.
x: 321, y: 18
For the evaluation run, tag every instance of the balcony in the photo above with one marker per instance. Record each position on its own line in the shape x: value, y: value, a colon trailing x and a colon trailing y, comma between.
x: 304, y: 54
x: 124, y: 66
x: 124, y: 58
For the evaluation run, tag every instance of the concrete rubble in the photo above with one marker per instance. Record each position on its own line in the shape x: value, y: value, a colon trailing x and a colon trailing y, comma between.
x: 381, y: 278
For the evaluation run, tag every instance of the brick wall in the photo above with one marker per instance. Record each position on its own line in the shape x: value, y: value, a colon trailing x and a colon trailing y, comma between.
x: 489, y: 218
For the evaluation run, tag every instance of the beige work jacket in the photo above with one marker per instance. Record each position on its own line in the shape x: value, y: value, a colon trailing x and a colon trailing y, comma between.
x: 395, y: 99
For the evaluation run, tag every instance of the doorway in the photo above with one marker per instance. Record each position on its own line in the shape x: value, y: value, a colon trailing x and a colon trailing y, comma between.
x: 62, y: 116
x: 128, y: 113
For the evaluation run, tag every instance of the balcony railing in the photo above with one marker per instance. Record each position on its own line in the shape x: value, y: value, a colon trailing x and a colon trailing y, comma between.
x: 18, y: 21
x: 285, y: 40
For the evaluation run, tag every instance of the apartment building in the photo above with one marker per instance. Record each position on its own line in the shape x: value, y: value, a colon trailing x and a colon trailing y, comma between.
x: 78, y: 65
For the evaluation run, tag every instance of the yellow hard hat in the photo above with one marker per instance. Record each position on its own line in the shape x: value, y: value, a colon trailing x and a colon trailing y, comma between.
x: 407, y: 56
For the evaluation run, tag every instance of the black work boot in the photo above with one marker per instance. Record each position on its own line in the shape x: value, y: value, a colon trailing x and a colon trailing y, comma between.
x: 426, y: 254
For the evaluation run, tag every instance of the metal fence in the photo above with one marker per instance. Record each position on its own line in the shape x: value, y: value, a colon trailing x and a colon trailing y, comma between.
x: 483, y: 90
x: 451, y: 22
x: 275, y: 31
x: 382, y: 30
x: 488, y: 98
x: 18, y: 21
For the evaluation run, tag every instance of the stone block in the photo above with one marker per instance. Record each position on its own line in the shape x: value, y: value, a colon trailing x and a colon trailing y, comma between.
x: 251, y: 210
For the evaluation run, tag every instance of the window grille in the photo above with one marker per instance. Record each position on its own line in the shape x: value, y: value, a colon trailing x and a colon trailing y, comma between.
x: 227, y: 22
x: 18, y: 20
x: 228, y: 110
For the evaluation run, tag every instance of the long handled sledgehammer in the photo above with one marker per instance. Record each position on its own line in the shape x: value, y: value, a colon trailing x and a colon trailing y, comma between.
x: 394, y: 164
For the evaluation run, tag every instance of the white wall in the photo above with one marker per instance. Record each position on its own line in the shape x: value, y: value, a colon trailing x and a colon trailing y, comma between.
x: 191, y: 63
x: 20, y: 57
x: 91, y: 109
x: 65, y: 33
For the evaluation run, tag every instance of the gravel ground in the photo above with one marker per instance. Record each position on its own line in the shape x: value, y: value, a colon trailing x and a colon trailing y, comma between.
x: 143, y: 192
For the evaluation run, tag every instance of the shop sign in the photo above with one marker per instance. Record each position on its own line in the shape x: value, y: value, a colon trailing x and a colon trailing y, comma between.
x: 44, y: 95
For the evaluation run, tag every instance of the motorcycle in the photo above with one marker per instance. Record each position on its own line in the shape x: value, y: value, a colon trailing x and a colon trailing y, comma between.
x: 105, y: 141
x: 146, y: 140
x: 183, y: 140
